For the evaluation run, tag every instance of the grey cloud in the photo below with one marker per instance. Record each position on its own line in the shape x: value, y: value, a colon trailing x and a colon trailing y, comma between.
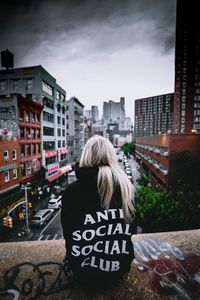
x: 85, y: 27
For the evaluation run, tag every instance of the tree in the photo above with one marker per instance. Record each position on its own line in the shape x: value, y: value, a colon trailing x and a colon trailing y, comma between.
x: 128, y: 148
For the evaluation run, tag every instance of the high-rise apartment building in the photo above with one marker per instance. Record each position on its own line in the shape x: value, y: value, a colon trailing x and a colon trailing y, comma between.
x: 114, y: 112
x: 187, y: 68
x: 154, y: 115
x: 74, y: 127
x: 95, y: 113
x: 156, y: 152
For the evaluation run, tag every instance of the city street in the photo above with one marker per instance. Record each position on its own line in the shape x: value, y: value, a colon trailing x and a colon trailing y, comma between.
x: 53, y: 229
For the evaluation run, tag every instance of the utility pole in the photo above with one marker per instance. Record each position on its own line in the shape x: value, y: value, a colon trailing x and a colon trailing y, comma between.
x: 25, y: 188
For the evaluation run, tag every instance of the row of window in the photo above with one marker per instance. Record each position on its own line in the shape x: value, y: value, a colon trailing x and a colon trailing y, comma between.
x: 28, y: 117
x: 7, y: 175
x: 7, y: 156
x: 49, y: 90
x: 30, y: 149
x: 16, y: 84
x: 29, y: 133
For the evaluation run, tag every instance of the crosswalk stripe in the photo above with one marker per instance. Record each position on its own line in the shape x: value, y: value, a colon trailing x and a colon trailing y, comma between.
x: 40, y: 237
x: 54, y: 238
x: 47, y: 237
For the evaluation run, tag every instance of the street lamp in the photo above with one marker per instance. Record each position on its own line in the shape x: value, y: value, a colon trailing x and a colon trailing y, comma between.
x: 25, y: 188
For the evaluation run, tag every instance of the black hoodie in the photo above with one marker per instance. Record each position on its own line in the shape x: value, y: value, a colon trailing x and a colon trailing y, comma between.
x: 98, y: 241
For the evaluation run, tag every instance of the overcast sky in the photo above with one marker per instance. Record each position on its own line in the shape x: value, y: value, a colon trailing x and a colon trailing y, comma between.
x: 98, y: 50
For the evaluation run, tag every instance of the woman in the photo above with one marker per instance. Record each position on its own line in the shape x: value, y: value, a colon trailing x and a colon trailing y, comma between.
x: 97, y: 217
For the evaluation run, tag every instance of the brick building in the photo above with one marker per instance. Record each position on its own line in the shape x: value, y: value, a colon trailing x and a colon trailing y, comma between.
x: 156, y: 154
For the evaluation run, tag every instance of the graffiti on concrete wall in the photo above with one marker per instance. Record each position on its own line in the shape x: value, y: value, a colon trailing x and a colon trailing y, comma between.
x: 172, y: 271
x: 43, y: 279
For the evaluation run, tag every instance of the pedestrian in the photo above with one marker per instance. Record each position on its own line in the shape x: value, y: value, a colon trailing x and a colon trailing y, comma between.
x: 98, y: 218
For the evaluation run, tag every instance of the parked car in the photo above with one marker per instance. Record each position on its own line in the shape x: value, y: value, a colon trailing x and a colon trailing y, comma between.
x: 42, y: 217
x: 55, y: 202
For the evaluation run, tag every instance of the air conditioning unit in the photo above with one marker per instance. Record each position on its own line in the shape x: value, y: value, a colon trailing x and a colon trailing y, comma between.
x: 166, y: 153
x: 156, y: 166
x: 6, y: 158
x: 165, y: 172
x: 157, y: 151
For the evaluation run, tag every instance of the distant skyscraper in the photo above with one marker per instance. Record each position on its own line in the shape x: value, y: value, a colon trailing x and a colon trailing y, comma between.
x: 95, y: 113
x: 187, y: 68
x: 154, y: 115
x: 114, y: 112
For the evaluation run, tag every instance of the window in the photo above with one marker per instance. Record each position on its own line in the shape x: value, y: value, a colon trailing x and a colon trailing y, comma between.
x: 21, y: 132
x: 48, y: 103
x: 27, y: 117
x: 7, y: 176
x: 59, y: 132
x: 62, y: 97
x: 6, y: 155
x: 59, y: 144
x: 48, y: 117
x: 63, y: 132
x: 14, y: 154
x: 29, y: 84
x: 14, y: 173
x: 21, y: 115
x: 47, y: 88
x: 63, y: 121
x: 58, y: 95
x: 63, y: 143
x: 34, y: 148
x: 28, y: 149
x: 58, y: 119
x: 39, y: 148
x: 22, y: 149
x: 48, y: 131
x: 15, y: 84
x: 2, y: 85
x: 28, y: 168
x: 63, y: 109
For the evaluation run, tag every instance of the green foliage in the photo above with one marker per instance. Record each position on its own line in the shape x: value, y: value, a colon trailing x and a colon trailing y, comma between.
x: 186, y: 171
x: 143, y: 181
x: 128, y: 148
x: 163, y: 211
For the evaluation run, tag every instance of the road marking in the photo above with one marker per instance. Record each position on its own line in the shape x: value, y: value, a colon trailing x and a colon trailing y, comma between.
x: 50, y: 221
x: 47, y: 237
x: 40, y: 237
x: 55, y: 236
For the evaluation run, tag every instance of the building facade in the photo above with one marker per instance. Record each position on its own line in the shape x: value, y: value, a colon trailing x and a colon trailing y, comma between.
x: 154, y: 115
x: 187, y: 69
x: 74, y: 128
x: 9, y: 146
x: 37, y: 85
x: 155, y: 155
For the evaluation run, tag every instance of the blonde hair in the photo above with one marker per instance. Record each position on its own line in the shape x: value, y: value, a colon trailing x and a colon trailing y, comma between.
x: 99, y: 151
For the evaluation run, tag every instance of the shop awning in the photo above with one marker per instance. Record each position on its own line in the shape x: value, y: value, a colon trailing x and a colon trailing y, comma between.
x: 53, y: 177
x: 65, y: 169
x: 50, y: 153
x: 63, y: 151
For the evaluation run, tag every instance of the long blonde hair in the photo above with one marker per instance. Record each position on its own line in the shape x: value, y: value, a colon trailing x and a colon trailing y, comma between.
x: 99, y: 151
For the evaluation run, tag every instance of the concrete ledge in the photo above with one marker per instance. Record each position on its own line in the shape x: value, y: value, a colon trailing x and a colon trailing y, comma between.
x: 167, y: 266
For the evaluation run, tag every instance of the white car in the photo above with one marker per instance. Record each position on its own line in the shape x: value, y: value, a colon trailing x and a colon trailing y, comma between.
x: 42, y: 217
x: 55, y: 203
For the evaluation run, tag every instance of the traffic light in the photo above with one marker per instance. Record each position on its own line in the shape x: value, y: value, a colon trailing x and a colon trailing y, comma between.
x: 10, y: 222
x: 30, y: 205
x: 5, y: 221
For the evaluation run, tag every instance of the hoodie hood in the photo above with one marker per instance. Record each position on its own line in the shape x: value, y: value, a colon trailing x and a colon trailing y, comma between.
x: 87, y: 174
